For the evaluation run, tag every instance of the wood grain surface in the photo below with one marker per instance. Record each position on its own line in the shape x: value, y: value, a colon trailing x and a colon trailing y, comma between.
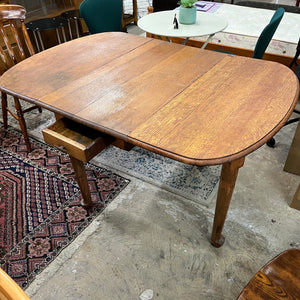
x: 279, y: 279
x: 196, y: 106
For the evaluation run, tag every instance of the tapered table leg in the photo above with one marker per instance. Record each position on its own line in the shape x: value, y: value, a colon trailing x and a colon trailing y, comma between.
x: 81, y: 177
x: 4, y: 109
x: 226, y: 186
x: 22, y: 123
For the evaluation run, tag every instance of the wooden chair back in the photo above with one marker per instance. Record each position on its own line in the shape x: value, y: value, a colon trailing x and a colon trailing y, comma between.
x: 15, y: 46
x: 9, y: 289
x: 13, y: 36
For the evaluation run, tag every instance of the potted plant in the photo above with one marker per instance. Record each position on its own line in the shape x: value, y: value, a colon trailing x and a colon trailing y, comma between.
x: 187, y: 12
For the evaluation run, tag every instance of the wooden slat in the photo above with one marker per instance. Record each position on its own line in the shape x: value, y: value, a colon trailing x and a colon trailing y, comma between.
x: 17, y: 39
x: 8, y: 46
x: 63, y: 71
x: 158, y: 81
x: 27, y: 39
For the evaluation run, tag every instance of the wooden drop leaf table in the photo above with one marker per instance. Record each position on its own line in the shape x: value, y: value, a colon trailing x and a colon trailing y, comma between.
x: 196, y: 106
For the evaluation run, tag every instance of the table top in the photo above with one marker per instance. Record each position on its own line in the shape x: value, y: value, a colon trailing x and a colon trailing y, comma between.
x: 196, y: 106
x: 161, y: 23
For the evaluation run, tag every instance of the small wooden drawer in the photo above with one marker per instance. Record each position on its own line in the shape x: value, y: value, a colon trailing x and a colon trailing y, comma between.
x: 79, y: 141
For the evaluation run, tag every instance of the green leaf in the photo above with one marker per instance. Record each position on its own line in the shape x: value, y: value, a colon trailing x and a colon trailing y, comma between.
x: 187, y: 3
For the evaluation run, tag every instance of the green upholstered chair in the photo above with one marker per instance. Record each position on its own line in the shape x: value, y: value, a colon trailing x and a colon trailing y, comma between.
x: 102, y: 15
x: 294, y: 64
x: 267, y: 34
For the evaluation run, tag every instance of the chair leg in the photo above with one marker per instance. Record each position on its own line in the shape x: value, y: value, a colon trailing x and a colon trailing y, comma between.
x: 22, y: 123
x: 4, y: 109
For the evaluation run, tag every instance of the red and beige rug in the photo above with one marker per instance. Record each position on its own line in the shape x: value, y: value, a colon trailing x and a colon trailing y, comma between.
x: 40, y: 211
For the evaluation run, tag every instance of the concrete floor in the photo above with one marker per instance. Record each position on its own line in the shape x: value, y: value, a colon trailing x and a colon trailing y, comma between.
x: 150, y: 240
x: 152, y: 244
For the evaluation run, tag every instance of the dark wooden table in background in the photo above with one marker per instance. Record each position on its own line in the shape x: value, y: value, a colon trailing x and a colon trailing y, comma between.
x: 292, y: 164
x: 196, y: 106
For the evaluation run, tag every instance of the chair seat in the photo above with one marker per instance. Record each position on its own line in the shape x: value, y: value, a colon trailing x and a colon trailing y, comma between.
x: 278, y: 279
x: 46, y: 24
x: 9, y: 289
x: 42, y: 25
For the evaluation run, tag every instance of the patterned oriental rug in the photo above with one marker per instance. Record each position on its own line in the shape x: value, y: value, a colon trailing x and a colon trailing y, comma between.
x: 198, y: 184
x: 40, y: 211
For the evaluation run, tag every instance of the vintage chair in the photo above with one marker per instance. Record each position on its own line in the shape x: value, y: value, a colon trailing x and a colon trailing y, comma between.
x: 43, y: 26
x: 278, y: 279
x: 12, y: 51
x: 73, y: 18
x: 294, y: 65
x: 9, y: 289
x: 102, y: 15
x: 128, y: 18
x: 267, y: 34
